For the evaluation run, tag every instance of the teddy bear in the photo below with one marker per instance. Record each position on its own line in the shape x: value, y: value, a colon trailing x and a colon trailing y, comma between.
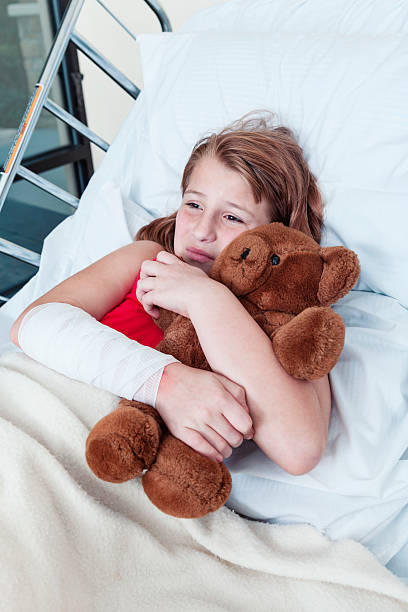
x: 287, y: 282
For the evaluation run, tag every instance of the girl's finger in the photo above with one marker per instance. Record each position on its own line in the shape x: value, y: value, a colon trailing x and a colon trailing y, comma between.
x: 238, y: 418
x: 148, y: 304
x: 149, y: 268
x: 217, y: 441
x: 198, y: 442
x: 153, y: 311
x: 143, y: 286
x: 146, y: 284
x: 148, y: 299
x: 233, y: 437
x: 236, y: 390
x: 166, y: 256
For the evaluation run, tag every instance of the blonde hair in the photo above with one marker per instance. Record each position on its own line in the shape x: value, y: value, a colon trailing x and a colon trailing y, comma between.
x: 270, y: 160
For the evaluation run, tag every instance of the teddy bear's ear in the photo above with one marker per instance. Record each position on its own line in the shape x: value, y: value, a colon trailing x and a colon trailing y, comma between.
x: 341, y: 270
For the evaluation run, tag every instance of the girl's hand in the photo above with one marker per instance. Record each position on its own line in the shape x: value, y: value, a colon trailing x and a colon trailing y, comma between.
x: 211, y: 421
x: 169, y: 283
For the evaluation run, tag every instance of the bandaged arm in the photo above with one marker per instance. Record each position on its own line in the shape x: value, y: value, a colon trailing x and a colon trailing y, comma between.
x: 67, y: 339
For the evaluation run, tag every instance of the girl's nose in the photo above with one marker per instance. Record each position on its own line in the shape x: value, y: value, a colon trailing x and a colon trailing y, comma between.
x: 204, y: 229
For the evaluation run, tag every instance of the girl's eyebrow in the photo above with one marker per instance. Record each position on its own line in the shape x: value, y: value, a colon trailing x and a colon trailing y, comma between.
x: 230, y: 203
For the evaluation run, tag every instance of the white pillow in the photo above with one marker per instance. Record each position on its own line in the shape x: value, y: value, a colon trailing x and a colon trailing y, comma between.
x: 345, y: 99
x: 340, y: 17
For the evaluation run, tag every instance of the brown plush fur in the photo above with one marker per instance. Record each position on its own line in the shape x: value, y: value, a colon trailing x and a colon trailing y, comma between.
x: 287, y: 282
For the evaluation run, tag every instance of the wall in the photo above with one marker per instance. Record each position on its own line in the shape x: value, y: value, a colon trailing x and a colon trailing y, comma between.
x: 106, y: 103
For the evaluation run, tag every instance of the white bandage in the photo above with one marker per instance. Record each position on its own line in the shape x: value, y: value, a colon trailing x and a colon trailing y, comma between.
x: 72, y: 342
x: 147, y: 393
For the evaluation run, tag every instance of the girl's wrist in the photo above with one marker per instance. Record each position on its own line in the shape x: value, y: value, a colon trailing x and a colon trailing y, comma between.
x: 208, y: 290
x: 167, y: 383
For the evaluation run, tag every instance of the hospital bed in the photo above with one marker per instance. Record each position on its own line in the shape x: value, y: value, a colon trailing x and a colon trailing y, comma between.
x: 40, y: 99
x: 336, y: 74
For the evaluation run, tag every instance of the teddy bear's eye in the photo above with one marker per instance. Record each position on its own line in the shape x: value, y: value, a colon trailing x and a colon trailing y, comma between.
x: 245, y: 253
x: 275, y: 260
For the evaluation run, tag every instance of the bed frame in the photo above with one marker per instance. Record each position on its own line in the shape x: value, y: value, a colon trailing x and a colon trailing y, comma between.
x: 39, y: 99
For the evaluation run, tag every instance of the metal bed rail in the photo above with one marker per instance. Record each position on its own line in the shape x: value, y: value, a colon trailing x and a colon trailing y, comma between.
x: 39, y: 100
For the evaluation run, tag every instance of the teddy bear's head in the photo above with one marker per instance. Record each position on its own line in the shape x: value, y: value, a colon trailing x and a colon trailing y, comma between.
x: 280, y: 268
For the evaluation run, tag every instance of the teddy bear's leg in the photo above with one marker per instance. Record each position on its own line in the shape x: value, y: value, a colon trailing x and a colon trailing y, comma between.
x: 309, y: 346
x: 185, y: 484
x: 125, y: 442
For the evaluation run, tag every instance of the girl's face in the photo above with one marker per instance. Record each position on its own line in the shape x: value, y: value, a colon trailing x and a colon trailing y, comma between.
x: 217, y: 206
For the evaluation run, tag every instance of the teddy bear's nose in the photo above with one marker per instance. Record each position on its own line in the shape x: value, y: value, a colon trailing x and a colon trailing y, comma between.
x: 245, y: 253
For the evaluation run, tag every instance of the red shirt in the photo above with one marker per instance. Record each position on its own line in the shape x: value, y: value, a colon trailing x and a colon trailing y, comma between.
x: 130, y: 318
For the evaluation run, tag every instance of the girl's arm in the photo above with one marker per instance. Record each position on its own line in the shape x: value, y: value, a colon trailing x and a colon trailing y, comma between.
x: 75, y: 346
x: 290, y: 416
x: 99, y: 287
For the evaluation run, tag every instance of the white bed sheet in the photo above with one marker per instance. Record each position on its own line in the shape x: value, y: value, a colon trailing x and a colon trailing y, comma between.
x: 361, y: 484
x: 360, y: 488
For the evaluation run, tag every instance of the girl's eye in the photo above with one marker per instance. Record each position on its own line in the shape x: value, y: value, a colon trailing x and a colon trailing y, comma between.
x: 236, y: 219
x: 194, y: 204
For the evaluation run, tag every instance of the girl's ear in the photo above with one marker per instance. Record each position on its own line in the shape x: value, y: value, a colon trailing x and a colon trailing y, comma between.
x: 341, y: 269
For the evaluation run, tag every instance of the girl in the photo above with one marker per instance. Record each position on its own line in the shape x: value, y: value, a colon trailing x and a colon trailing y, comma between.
x: 248, y: 174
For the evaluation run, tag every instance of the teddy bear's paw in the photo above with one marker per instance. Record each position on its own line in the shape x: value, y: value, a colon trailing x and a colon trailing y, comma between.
x: 185, y: 484
x: 309, y: 346
x: 123, y: 444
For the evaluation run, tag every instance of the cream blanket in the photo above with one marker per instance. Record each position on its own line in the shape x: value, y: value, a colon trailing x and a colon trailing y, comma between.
x: 72, y: 542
